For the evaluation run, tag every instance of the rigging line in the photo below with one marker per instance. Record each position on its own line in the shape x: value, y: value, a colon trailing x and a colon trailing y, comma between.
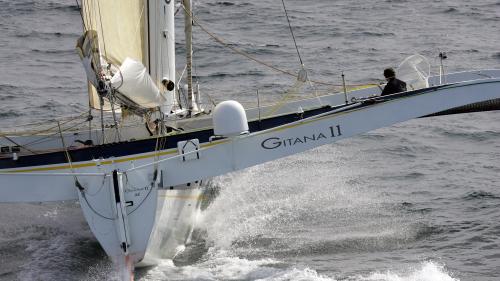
x: 12, y: 141
x: 98, y: 190
x: 85, y: 13
x: 66, y: 150
x: 94, y: 210
x: 81, y: 15
x: 63, y: 120
x: 221, y: 41
x: 82, y: 189
x: 48, y: 137
x: 102, y: 30
x: 48, y: 130
x: 89, y: 13
x: 77, y: 183
x: 68, y: 157
x: 291, y: 31
x: 39, y: 131
x: 242, y: 53
x: 112, y: 101
x: 101, y: 103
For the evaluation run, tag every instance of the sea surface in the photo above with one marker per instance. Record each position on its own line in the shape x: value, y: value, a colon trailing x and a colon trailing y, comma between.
x: 418, y: 201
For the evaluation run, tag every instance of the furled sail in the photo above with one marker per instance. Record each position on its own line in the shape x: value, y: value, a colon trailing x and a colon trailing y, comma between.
x: 133, y: 81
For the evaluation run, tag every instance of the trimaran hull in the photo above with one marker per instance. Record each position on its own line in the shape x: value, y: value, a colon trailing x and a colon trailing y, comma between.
x: 125, y: 198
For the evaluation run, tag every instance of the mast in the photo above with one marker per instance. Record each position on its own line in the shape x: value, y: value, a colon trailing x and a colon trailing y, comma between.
x: 140, y: 31
x: 188, y: 30
x: 161, y: 32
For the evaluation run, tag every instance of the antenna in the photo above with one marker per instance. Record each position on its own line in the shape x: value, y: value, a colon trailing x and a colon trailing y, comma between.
x: 345, y: 89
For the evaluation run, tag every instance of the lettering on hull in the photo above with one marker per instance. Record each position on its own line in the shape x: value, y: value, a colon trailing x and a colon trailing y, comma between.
x: 277, y: 142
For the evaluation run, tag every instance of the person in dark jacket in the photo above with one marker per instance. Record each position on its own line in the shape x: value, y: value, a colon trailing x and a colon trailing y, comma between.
x: 394, y: 85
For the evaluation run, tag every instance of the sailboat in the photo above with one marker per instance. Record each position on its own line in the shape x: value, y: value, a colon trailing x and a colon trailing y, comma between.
x: 139, y: 187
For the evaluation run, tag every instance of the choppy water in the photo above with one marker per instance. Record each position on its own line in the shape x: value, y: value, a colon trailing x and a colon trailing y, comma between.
x: 416, y: 201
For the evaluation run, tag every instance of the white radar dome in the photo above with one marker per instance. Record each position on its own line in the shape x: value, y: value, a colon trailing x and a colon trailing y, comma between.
x: 229, y: 119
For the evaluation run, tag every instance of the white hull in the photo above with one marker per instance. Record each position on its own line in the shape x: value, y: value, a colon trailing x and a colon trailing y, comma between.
x: 175, y: 219
x: 153, y: 212
x: 138, y: 131
x: 153, y: 223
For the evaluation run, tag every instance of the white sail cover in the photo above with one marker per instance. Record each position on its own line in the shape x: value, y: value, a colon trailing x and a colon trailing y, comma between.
x: 134, y: 82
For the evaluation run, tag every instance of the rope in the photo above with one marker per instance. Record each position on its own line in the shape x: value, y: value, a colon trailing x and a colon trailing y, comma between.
x: 40, y: 140
x: 94, y: 210
x: 36, y: 141
x: 12, y: 141
x: 242, y: 53
x: 81, y: 15
x: 102, y: 30
x: 66, y: 151
x: 291, y: 31
x: 77, y: 183
x: 70, y: 118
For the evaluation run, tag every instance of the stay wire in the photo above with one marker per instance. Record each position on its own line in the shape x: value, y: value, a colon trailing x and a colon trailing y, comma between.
x: 242, y: 53
x: 81, y: 15
x: 40, y: 140
x: 291, y: 31
x: 102, y: 29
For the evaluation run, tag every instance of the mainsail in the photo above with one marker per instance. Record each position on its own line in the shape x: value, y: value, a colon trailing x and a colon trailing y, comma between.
x: 120, y: 28
x: 125, y: 31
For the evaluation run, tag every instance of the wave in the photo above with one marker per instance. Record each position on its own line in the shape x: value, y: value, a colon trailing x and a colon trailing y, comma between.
x: 473, y: 136
x: 10, y: 114
x: 29, y: 7
x: 224, y: 266
x: 384, y: 239
x: 48, y: 242
x: 233, y: 74
x: 427, y: 271
x: 227, y: 4
x: 412, y: 208
x: 8, y: 92
x: 475, y: 195
x: 55, y: 51
x: 451, y: 10
x: 224, y: 3
x: 46, y: 35
x: 372, y: 34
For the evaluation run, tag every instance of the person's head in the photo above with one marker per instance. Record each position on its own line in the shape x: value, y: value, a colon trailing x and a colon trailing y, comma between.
x: 389, y: 73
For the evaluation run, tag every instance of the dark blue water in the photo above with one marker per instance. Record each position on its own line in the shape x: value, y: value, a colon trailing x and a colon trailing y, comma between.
x: 416, y: 201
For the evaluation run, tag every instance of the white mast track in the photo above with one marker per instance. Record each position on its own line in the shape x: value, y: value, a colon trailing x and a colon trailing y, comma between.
x: 188, y: 30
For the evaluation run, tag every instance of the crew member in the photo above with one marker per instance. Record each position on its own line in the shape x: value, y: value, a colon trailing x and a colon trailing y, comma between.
x: 393, y: 85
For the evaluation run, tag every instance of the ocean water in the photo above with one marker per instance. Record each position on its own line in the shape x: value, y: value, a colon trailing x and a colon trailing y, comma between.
x: 418, y: 201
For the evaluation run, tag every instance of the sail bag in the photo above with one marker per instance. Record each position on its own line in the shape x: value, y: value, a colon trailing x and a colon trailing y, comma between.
x: 133, y: 81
